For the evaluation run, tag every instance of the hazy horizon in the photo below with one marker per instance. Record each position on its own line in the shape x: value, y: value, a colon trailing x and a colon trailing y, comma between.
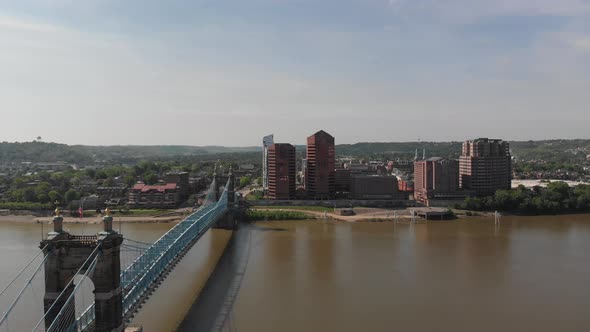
x: 294, y: 143
x: 226, y: 73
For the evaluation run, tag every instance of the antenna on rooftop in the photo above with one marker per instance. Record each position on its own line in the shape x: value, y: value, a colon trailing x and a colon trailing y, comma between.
x: 424, y: 154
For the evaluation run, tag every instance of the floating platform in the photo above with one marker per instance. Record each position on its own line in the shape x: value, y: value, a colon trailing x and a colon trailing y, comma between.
x: 436, y: 215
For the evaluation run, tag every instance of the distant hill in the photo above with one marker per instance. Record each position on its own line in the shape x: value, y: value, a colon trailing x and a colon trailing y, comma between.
x: 400, y: 149
x: 557, y: 150
x: 50, y: 152
x: 155, y: 151
x: 40, y: 151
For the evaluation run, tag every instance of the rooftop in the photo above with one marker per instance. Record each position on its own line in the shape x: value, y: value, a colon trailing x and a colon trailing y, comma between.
x: 161, y: 188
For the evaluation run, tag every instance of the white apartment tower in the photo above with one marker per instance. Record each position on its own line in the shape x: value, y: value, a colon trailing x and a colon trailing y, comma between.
x: 267, y: 141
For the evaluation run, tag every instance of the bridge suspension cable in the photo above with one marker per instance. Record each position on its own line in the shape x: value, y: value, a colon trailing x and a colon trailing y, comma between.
x: 138, y: 242
x: 22, y: 291
x: 59, y: 297
x: 22, y: 271
x: 65, y: 320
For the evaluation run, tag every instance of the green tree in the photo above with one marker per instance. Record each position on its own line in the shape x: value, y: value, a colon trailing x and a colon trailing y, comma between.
x: 43, y: 198
x: 560, y: 188
x: 17, y: 195
x: 582, y: 194
x: 54, y: 196
x: 45, y: 176
x: 150, y: 178
x: 101, y: 174
x: 109, y: 182
x: 71, y: 195
x: 129, y: 180
x: 244, y: 181
x: 192, y: 200
x: 90, y: 172
x: 29, y: 195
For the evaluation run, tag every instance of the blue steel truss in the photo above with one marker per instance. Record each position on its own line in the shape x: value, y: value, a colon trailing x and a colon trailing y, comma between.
x: 139, y: 277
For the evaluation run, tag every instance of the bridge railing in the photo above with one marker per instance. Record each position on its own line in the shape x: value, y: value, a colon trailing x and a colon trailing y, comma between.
x: 161, y: 262
x: 137, y: 279
x: 142, y: 263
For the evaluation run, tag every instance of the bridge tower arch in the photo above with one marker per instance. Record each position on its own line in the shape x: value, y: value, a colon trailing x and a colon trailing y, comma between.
x: 230, y: 219
x: 70, y: 254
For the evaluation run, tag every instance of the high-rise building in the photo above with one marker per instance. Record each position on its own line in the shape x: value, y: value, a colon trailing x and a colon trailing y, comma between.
x: 267, y: 141
x: 436, y: 178
x: 321, y: 164
x: 485, y: 166
x: 182, y: 180
x: 281, y: 171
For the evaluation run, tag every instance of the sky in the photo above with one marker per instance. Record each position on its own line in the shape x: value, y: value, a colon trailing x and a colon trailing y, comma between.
x: 228, y: 72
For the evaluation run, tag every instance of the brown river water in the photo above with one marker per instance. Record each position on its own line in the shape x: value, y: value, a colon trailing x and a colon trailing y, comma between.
x: 527, y: 274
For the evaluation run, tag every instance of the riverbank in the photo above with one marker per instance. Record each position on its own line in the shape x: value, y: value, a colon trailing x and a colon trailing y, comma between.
x: 91, y: 220
x: 360, y: 214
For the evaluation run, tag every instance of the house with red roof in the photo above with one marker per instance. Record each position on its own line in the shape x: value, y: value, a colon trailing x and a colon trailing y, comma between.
x: 161, y: 196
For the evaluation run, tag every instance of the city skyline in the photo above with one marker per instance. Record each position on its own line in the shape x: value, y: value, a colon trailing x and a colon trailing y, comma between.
x: 92, y: 72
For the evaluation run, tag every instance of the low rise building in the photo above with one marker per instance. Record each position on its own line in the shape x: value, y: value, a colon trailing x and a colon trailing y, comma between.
x: 342, y: 181
x: 373, y: 187
x: 108, y: 193
x: 402, y: 165
x: 197, y: 183
x: 247, y: 167
x: 152, y: 197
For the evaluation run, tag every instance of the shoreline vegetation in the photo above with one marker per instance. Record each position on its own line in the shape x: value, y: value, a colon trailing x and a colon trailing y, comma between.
x: 556, y: 198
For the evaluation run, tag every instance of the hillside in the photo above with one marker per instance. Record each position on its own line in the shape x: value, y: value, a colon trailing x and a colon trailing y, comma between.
x: 556, y: 150
x: 51, y: 152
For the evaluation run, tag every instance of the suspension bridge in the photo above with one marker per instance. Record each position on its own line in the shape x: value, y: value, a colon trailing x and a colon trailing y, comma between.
x: 120, y: 272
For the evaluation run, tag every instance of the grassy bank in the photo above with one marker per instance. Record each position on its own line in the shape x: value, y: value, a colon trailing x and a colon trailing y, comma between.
x: 255, y: 215
x: 299, y: 208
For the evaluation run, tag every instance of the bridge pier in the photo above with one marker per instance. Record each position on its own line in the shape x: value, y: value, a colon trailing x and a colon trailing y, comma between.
x: 230, y: 219
x: 69, y: 254
x: 108, y: 295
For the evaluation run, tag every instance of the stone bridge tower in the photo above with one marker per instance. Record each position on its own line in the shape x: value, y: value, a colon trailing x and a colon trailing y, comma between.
x: 69, y: 253
x: 221, y: 180
x: 230, y: 219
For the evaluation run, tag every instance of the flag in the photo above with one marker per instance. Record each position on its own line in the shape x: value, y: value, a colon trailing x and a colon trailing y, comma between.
x: 81, y: 212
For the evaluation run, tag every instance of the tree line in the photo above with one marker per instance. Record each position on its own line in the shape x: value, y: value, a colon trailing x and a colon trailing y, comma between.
x: 557, y: 197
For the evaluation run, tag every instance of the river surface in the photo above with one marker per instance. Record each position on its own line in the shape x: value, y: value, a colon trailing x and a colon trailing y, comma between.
x: 528, y: 274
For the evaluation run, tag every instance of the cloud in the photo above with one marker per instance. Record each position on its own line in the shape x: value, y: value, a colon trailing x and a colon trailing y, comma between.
x: 14, y: 23
x: 468, y: 11
x: 582, y: 44
x: 356, y: 79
